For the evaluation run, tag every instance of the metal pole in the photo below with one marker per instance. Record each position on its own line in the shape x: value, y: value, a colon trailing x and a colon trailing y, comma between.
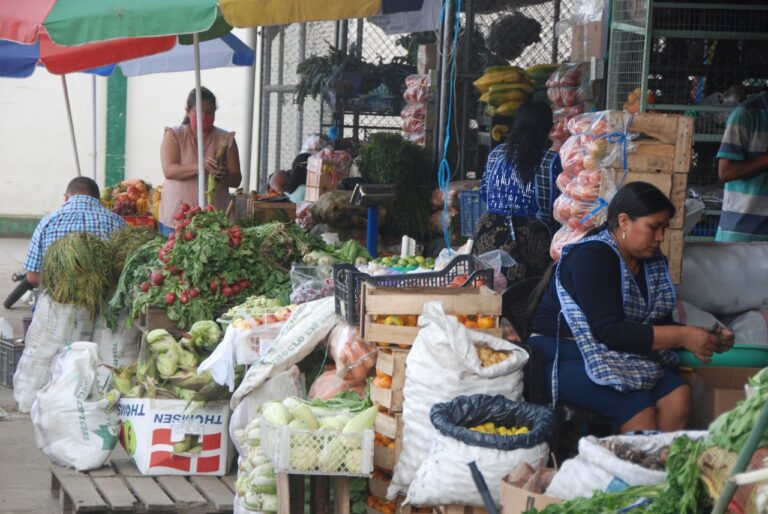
x: 356, y: 117
x: 646, y: 57
x: 555, y: 19
x: 250, y: 92
x: 94, y: 138
x: 465, y: 58
x: 266, y: 71
x: 446, y: 35
x: 199, y: 111
x: 71, y: 125
x: 300, y: 108
x: 280, y: 73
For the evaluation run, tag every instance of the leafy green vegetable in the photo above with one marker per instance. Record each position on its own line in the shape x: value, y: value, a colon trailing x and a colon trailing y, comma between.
x: 731, y: 429
x: 681, y: 493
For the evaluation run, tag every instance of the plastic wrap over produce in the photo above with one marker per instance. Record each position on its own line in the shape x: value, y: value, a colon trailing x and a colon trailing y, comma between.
x: 415, y: 115
x: 569, y: 89
x: 597, y: 141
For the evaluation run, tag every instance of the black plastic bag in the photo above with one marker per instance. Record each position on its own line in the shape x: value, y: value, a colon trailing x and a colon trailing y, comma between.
x: 454, y: 418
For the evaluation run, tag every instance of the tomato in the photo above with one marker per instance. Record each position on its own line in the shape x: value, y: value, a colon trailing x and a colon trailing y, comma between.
x: 170, y: 298
x: 194, y: 293
x: 144, y: 287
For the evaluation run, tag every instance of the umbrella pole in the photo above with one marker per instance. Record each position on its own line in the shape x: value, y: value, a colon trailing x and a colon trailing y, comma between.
x: 94, y: 135
x: 199, y: 117
x: 71, y: 125
x: 250, y: 93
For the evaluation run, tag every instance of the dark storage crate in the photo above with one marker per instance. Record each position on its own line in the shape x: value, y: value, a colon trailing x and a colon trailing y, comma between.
x: 10, y: 353
x: 348, y: 282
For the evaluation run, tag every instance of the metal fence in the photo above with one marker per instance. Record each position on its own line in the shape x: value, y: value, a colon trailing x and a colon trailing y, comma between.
x: 284, y: 125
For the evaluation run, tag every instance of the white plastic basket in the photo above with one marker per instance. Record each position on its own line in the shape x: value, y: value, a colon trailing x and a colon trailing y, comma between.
x: 317, y: 452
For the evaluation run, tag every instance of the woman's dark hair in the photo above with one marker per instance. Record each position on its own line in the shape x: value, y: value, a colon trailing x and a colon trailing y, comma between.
x: 205, y: 94
x: 636, y: 199
x: 298, y: 173
x: 529, y: 138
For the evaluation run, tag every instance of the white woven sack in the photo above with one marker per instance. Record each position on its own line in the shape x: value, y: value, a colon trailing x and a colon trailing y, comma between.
x: 688, y: 314
x: 445, y: 476
x: 71, y: 428
x: 595, y: 467
x: 54, y: 326
x: 750, y: 328
x: 442, y: 365
x: 117, y: 348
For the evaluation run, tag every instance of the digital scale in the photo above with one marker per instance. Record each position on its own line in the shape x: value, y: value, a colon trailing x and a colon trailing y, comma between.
x: 372, y: 196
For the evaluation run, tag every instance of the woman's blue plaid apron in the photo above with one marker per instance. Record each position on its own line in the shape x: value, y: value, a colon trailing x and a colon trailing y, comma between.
x: 621, y: 370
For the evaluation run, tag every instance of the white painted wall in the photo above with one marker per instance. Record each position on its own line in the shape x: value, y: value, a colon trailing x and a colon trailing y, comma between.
x: 36, y: 157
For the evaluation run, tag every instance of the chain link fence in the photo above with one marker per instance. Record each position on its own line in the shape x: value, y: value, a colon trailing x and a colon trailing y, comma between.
x: 284, y: 125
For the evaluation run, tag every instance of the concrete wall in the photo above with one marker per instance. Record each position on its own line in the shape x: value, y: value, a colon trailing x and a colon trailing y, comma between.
x: 36, y: 157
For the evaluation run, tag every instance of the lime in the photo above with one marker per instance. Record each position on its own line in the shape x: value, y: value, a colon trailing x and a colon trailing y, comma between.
x: 402, y: 263
x: 386, y: 261
x: 420, y: 259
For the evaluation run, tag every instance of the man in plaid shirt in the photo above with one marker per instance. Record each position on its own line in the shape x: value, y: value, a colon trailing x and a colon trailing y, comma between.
x: 82, y: 212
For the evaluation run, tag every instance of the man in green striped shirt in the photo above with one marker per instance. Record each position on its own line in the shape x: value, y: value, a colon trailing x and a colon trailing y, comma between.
x: 743, y: 166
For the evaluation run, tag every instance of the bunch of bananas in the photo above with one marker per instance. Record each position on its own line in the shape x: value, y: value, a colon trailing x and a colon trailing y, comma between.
x: 538, y: 74
x: 503, y: 89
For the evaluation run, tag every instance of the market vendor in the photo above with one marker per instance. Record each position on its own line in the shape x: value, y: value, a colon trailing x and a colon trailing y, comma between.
x: 82, y: 212
x: 519, y: 188
x: 743, y: 166
x: 602, y: 320
x: 292, y: 183
x: 178, y: 154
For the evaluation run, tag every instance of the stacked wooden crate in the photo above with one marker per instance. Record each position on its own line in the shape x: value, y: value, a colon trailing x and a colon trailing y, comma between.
x: 662, y: 157
x: 389, y: 318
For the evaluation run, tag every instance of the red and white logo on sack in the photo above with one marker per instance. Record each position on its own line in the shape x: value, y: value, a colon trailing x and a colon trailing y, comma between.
x: 208, y: 458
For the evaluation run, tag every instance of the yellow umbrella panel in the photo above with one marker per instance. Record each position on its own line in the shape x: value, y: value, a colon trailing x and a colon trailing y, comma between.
x: 254, y: 13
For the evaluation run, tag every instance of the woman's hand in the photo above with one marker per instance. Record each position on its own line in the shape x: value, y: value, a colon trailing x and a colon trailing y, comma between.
x: 725, y: 338
x: 702, y: 343
x: 212, y: 168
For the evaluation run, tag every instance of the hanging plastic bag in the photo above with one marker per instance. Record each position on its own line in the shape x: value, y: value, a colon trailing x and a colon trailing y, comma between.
x: 73, y: 426
x: 444, y: 477
x: 310, y: 283
x: 354, y: 357
x: 328, y: 385
x: 498, y: 259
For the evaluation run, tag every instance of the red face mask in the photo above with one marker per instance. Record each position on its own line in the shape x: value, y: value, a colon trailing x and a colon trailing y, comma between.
x: 208, y: 118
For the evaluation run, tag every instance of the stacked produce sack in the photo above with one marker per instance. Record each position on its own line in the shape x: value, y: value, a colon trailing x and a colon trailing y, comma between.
x: 587, y: 183
x: 503, y: 89
x: 415, y: 114
x: 570, y: 92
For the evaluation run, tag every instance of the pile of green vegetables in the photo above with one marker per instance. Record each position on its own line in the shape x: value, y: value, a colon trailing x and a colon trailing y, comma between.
x: 167, y: 368
x: 351, y: 252
x: 731, y: 429
x: 387, y: 158
x: 208, y: 264
x: 681, y: 493
x: 80, y: 269
x: 324, y: 436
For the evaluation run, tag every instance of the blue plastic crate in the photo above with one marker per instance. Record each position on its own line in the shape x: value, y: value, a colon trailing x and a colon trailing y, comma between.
x: 471, y: 209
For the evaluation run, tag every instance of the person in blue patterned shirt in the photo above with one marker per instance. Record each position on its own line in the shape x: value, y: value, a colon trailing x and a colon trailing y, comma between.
x: 82, y: 212
x: 519, y: 188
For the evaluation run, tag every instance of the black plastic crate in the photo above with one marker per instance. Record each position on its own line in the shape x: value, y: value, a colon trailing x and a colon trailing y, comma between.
x: 10, y: 353
x: 348, y: 282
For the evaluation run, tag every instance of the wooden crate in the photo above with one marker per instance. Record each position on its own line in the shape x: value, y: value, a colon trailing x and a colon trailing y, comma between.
x: 672, y: 145
x: 391, y: 426
x: 151, y: 318
x: 264, y: 212
x: 409, y: 301
x: 290, y: 494
x: 120, y: 487
x: 674, y: 185
x: 672, y: 247
x: 393, y: 364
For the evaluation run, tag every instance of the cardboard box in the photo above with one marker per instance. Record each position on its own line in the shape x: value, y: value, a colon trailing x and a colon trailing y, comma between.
x: 149, y: 428
x: 589, y: 40
x: 714, y: 391
x: 515, y: 500
x: 426, y: 58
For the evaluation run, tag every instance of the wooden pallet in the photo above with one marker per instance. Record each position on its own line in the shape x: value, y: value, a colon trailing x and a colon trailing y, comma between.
x: 120, y: 487
x: 290, y: 494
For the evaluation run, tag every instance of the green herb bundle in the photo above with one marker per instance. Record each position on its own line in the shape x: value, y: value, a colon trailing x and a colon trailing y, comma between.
x: 122, y: 243
x: 77, y: 271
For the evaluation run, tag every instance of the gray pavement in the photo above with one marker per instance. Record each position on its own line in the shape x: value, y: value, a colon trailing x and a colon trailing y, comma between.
x: 24, y: 479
